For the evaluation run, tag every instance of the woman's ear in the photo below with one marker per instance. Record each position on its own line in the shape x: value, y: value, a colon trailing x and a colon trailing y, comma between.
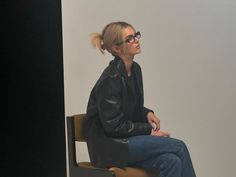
x: 116, y: 49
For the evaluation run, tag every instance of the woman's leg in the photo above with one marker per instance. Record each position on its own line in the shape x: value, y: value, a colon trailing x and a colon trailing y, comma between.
x: 166, y: 165
x: 152, y: 151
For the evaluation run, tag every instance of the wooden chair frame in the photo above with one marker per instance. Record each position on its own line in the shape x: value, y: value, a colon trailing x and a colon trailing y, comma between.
x: 85, y: 169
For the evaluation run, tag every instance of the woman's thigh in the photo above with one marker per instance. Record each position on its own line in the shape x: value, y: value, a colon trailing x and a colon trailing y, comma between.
x: 146, y: 147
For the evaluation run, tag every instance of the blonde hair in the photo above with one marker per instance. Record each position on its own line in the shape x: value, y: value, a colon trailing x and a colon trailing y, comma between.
x: 111, y: 35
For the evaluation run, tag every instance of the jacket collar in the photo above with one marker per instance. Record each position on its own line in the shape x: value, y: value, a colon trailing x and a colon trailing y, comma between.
x: 119, y: 66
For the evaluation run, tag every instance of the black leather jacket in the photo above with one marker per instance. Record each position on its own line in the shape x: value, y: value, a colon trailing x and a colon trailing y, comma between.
x: 108, y: 123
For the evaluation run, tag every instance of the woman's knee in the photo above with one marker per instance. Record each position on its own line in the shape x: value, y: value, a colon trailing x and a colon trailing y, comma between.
x: 173, y: 160
x: 182, y: 146
x: 179, y: 142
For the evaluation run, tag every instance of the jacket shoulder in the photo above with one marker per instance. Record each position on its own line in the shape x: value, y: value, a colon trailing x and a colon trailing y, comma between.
x: 109, y: 77
x: 136, y: 66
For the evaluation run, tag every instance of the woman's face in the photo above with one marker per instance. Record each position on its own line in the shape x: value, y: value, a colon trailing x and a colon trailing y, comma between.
x: 130, y: 45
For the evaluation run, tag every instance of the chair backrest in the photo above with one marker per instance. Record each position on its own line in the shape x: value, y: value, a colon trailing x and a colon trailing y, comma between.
x: 79, y: 121
x: 75, y: 124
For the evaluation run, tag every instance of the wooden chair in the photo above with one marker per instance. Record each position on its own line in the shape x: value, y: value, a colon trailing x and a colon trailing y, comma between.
x: 85, y: 169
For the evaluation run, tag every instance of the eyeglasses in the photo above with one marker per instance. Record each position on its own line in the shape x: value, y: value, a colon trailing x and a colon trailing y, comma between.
x: 131, y: 38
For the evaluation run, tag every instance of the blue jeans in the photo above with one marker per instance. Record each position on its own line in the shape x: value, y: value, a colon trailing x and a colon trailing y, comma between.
x: 168, y: 157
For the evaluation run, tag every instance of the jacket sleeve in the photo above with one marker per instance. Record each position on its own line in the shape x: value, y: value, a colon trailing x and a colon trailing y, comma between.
x: 109, y: 101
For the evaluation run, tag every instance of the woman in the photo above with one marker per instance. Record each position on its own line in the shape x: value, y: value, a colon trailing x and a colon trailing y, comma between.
x: 120, y: 130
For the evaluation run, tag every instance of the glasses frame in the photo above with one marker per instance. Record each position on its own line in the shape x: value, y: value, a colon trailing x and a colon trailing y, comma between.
x: 131, y: 38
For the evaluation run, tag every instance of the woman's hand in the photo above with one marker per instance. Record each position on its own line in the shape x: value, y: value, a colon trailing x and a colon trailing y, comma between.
x: 160, y: 133
x: 154, y: 121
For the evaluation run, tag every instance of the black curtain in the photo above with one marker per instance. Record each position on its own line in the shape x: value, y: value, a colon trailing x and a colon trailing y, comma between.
x: 32, y: 121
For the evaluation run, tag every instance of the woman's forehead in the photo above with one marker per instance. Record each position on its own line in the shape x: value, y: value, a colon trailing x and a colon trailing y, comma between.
x: 128, y: 31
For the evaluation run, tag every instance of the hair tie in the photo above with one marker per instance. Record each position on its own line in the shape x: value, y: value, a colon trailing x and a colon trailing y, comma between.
x: 102, y: 45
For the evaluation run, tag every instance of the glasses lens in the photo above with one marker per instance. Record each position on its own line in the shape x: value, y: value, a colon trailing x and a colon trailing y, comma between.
x: 132, y: 38
x: 138, y: 35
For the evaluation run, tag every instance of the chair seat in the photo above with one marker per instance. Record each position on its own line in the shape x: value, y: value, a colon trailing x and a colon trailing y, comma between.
x: 119, y: 172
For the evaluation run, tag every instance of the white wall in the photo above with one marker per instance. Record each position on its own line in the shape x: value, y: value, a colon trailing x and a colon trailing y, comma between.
x: 189, y: 66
